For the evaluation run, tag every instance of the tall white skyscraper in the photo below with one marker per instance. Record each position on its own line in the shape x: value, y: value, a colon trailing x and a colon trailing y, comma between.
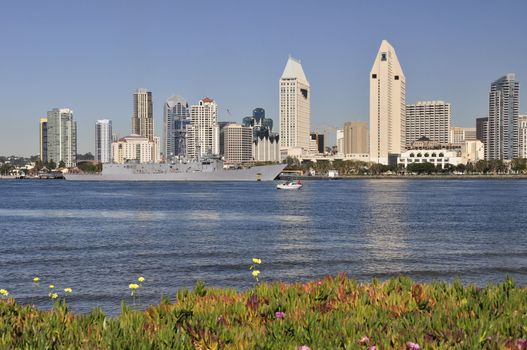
x: 502, y: 127
x: 62, y: 137
x: 176, y: 118
x: 295, y: 108
x: 387, y: 105
x: 143, y: 115
x: 103, y: 141
x: 431, y: 119
x: 203, y: 134
x: 522, y: 126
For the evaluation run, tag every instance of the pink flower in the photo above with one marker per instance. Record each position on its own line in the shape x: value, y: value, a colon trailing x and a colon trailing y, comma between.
x: 303, y: 347
x: 279, y: 314
x: 373, y: 347
x: 412, y: 346
x: 521, y: 344
x: 364, y: 340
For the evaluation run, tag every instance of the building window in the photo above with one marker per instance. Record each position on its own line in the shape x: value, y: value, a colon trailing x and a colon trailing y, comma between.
x: 374, y: 76
x: 396, y: 77
x: 383, y: 56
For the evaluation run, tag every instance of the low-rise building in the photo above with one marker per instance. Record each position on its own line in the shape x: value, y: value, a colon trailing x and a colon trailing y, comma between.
x: 133, y: 148
x: 437, y: 157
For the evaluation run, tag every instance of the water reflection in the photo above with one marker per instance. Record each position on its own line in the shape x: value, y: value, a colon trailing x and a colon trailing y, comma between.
x: 386, y: 231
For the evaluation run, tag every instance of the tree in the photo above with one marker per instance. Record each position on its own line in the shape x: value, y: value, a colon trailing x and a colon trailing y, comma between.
x: 461, y: 168
x: 519, y: 165
x: 62, y: 164
x: 51, y: 164
x: 422, y: 168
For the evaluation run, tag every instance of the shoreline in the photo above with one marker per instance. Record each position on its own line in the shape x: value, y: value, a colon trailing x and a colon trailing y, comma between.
x: 407, y: 177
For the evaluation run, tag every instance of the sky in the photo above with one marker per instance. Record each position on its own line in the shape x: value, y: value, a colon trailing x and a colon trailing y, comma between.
x: 91, y: 55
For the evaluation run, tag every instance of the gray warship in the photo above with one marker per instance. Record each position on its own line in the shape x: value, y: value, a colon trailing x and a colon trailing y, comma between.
x: 204, y: 170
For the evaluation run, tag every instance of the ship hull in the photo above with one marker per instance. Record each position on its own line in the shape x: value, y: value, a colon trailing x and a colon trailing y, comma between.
x: 256, y: 173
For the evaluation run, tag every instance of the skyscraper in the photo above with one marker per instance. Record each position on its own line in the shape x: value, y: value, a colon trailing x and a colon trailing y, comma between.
x: 203, y: 132
x: 103, y: 141
x: 430, y: 119
x: 143, y: 115
x: 62, y: 136
x: 295, y: 108
x: 481, y: 129
x: 238, y: 143
x: 43, y: 139
x: 522, y: 127
x: 355, y: 138
x: 387, y: 105
x: 502, y: 130
x: 176, y: 118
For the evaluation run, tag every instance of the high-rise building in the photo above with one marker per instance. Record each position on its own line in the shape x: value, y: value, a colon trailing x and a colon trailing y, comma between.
x: 43, y: 139
x: 522, y: 125
x: 481, y: 129
x: 355, y: 138
x: 340, y: 141
x: 176, y: 118
x: 143, y: 116
x: 238, y: 143
x: 430, y: 119
x: 502, y: 130
x: 133, y: 147
x: 203, y: 134
x: 459, y: 135
x: 103, y: 141
x: 317, y: 140
x: 62, y: 136
x: 265, y: 142
x: 295, y: 108
x: 387, y: 106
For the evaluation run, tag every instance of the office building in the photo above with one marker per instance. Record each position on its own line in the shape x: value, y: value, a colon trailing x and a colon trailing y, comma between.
x: 176, y: 118
x: 143, y: 115
x: 238, y: 143
x: 295, y: 109
x: 355, y: 138
x: 203, y: 135
x: 103, y: 141
x: 317, y: 143
x: 387, y: 106
x: 430, y: 119
x: 62, y: 137
x: 502, y: 129
x: 43, y: 139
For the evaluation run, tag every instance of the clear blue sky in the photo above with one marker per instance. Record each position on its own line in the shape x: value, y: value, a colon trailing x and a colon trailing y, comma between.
x: 90, y: 55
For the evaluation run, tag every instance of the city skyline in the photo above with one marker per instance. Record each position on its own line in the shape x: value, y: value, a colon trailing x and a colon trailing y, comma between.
x: 99, y: 71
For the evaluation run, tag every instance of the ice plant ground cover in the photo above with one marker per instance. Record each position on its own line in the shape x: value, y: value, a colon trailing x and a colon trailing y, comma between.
x: 333, y: 313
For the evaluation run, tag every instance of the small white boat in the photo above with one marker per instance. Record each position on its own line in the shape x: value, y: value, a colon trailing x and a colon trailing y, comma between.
x: 290, y: 185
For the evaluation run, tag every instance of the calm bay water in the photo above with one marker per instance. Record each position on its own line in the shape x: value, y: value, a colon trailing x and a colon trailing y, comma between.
x: 98, y: 237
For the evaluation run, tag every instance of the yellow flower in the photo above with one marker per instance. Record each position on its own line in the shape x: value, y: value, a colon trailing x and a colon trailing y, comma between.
x: 257, y: 261
x: 67, y: 290
x: 141, y: 279
x: 133, y: 286
x: 4, y: 292
x: 54, y: 296
x: 36, y: 279
x: 256, y: 273
x: 51, y: 286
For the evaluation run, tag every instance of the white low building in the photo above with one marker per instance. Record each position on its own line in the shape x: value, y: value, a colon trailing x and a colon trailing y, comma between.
x: 133, y: 147
x: 266, y: 149
x: 435, y: 156
x: 473, y: 151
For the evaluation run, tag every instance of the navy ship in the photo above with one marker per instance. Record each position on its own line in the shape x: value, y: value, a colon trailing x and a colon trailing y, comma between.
x: 204, y: 170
